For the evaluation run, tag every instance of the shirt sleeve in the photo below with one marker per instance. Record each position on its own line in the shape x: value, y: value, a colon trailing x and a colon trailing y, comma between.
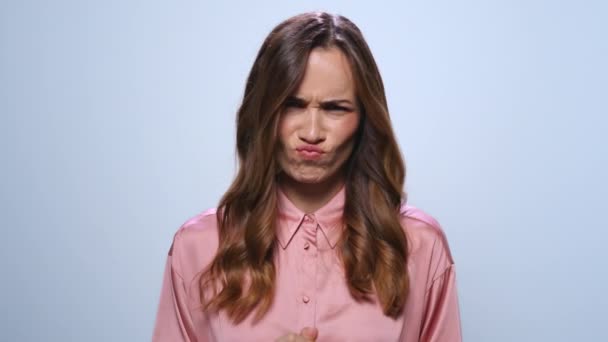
x: 441, y: 320
x: 173, y: 319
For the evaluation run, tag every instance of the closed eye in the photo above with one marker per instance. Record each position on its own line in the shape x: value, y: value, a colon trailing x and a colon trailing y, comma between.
x: 336, y: 108
x: 292, y: 103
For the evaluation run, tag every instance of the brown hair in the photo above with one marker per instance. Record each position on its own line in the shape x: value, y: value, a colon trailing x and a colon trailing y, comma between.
x: 373, y: 247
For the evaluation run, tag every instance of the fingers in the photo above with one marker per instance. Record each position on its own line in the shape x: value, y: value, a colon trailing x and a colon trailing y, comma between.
x: 286, y: 338
x: 292, y: 337
x: 310, y: 333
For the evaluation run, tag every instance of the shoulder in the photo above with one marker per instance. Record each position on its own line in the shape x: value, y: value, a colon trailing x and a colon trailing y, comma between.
x: 427, y: 241
x: 421, y: 225
x: 201, y: 226
x: 195, y: 243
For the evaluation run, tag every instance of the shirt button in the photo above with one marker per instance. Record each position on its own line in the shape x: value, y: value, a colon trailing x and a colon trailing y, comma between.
x: 307, y: 219
x: 305, y: 299
x: 306, y: 245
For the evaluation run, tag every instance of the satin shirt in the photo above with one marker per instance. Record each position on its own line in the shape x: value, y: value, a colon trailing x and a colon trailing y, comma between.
x: 310, y: 286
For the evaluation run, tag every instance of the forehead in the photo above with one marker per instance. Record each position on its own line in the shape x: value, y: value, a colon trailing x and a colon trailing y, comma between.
x: 328, y: 74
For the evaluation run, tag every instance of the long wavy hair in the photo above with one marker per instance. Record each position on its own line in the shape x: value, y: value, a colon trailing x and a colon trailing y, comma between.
x: 373, y: 247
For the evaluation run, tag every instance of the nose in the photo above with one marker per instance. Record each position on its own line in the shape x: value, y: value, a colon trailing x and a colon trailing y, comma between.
x: 311, y: 130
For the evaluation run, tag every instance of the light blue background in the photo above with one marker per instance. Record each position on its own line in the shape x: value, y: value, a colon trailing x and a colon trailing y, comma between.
x: 117, y: 124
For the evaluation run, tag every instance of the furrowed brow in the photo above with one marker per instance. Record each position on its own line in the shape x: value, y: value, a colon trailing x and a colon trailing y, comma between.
x: 337, y: 102
x: 299, y: 100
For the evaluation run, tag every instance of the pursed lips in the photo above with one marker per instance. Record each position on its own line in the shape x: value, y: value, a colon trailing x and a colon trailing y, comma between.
x: 310, y: 148
x: 308, y: 152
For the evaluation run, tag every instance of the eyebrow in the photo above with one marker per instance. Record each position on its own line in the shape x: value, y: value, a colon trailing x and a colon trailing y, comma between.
x: 323, y: 103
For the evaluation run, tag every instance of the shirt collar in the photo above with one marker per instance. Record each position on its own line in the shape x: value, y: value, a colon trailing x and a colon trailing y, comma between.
x: 329, y: 218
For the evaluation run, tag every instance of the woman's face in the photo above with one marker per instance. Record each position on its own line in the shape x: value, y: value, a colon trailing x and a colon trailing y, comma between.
x: 316, y: 129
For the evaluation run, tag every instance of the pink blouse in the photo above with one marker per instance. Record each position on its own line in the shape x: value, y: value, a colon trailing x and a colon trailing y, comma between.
x: 310, y: 286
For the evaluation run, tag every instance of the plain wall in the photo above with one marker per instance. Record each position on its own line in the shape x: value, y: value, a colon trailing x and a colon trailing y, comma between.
x: 117, y: 124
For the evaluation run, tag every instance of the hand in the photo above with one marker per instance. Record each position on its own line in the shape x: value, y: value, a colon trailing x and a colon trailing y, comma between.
x: 307, y: 334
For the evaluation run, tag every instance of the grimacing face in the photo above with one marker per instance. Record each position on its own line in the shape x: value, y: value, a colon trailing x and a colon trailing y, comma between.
x: 317, y: 127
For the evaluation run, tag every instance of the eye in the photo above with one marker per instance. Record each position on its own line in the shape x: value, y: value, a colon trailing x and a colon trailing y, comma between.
x: 293, y: 104
x: 336, y: 108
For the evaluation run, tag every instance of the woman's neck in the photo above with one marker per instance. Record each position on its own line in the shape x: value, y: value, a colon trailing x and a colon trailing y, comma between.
x: 310, y: 197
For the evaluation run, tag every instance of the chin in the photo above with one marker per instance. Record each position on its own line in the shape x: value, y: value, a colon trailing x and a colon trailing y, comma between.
x: 309, y: 179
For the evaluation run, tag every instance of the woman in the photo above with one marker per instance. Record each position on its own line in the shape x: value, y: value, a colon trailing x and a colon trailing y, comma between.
x: 313, y: 240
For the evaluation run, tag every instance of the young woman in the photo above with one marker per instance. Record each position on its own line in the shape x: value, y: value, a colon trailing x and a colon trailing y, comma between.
x: 313, y: 239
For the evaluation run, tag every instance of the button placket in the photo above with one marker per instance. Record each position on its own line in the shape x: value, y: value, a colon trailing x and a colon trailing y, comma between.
x: 308, y: 275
